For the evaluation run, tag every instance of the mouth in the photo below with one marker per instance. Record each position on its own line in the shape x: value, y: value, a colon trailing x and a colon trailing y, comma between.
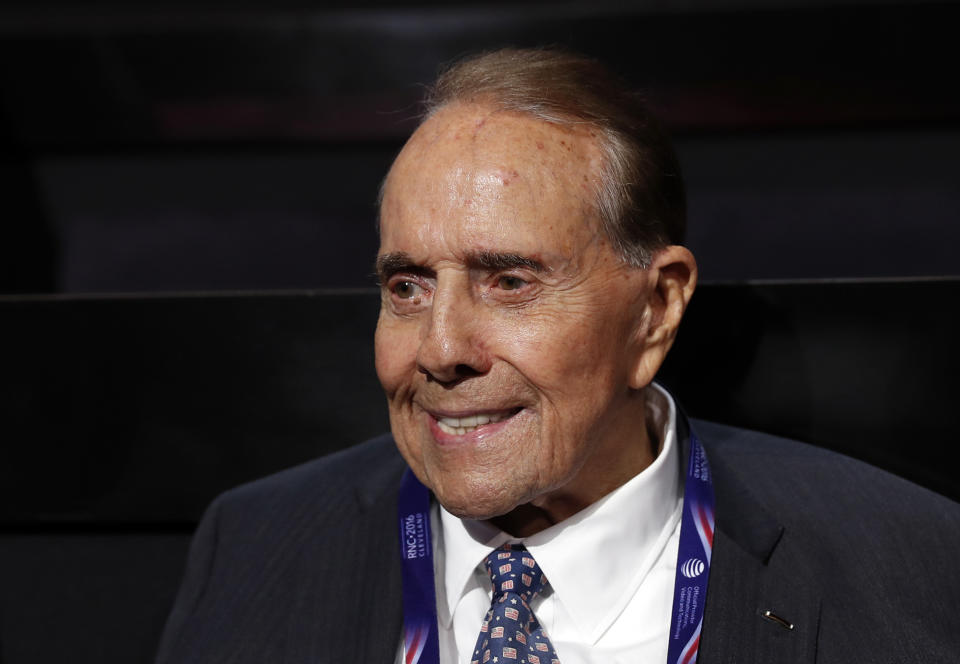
x: 464, y: 424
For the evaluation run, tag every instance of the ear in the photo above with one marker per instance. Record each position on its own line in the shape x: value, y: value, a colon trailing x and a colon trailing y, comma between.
x: 673, y: 277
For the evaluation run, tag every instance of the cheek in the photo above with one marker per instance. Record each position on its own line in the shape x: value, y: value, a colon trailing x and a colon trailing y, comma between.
x: 395, y: 352
x: 562, y: 350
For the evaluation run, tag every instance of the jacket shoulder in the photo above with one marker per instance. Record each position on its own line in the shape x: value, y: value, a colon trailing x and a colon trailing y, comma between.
x: 859, y: 557
x: 339, y: 484
x: 363, y: 465
x: 267, y: 563
x: 792, y: 476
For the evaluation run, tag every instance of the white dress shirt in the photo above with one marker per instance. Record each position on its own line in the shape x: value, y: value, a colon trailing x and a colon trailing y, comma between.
x: 610, y: 567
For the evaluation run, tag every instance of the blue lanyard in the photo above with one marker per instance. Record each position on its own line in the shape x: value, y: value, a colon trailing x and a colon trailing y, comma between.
x: 693, y: 558
x: 420, y: 642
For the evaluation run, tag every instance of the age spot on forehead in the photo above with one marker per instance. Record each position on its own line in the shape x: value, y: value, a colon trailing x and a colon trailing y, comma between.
x: 508, y: 158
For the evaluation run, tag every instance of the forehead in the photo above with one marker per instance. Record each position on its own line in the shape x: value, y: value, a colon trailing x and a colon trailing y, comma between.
x: 475, y: 173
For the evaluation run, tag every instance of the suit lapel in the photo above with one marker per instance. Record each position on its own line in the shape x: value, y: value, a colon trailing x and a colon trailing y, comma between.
x: 754, y: 570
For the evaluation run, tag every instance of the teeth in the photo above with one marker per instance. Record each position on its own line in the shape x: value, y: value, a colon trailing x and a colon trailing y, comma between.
x: 461, y: 425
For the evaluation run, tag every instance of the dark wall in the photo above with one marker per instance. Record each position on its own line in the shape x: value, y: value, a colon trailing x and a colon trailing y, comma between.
x: 821, y: 204
x: 174, y: 146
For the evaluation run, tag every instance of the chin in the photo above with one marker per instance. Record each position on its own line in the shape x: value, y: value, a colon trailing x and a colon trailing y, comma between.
x: 479, y: 501
x: 477, y: 511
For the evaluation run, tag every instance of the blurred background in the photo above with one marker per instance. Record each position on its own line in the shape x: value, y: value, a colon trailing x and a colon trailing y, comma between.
x: 171, y: 146
x: 187, y: 206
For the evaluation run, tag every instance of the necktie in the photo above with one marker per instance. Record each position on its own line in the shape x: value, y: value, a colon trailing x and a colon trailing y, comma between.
x: 510, y: 632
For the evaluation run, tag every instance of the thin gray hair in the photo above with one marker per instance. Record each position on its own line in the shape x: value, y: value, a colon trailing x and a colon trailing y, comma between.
x: 640, y: 195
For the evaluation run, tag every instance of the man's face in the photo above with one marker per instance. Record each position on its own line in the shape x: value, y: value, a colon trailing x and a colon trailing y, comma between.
x: 510, y: 332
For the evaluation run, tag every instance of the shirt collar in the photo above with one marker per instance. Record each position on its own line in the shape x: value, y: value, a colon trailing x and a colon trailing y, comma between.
x: 626, y: 529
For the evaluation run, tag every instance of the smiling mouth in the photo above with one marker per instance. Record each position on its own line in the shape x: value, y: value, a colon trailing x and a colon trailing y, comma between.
x: 458, y: 426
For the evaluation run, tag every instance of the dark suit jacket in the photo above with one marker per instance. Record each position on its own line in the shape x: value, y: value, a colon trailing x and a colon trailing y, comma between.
x: 303, y: 567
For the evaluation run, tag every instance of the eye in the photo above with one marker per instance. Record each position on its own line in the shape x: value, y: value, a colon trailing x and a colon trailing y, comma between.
x: 510, y: 283
x: 406, y: 290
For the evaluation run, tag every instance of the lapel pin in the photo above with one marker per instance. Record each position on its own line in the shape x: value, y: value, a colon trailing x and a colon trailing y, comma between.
x: 772, y: 617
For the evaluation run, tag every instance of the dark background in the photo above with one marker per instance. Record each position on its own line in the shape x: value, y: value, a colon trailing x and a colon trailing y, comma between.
x: 158, y: 157
x: 170, y: 146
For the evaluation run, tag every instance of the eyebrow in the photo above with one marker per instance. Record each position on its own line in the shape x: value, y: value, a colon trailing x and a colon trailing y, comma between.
x: 390, y: 264
x: 494, y: 261
x: 396, y: 262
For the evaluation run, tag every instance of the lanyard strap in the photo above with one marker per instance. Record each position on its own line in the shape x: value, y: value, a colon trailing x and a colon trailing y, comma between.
x: 420, y: 641
x: 419, y: 596
x: 693, y: 558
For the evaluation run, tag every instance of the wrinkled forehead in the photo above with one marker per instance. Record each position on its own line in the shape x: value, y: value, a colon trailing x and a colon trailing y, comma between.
x: 491, y: 147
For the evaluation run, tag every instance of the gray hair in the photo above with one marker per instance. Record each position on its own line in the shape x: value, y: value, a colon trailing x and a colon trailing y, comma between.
x: 640, y: 198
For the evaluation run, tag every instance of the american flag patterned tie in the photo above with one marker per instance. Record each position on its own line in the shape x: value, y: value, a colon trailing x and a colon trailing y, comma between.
x: 510, y: 632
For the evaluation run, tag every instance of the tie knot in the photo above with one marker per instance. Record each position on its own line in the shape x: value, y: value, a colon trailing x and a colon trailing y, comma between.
x: 512, y: 569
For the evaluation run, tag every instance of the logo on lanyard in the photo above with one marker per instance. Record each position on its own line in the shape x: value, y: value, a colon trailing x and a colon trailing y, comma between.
x: 420, y: 641
x: 692, y: 568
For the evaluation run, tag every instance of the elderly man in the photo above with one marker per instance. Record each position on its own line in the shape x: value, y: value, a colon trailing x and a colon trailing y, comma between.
x: 549, y: 502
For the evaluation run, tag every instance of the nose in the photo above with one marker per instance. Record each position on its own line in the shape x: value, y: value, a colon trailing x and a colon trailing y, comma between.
x: 451, y: 349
